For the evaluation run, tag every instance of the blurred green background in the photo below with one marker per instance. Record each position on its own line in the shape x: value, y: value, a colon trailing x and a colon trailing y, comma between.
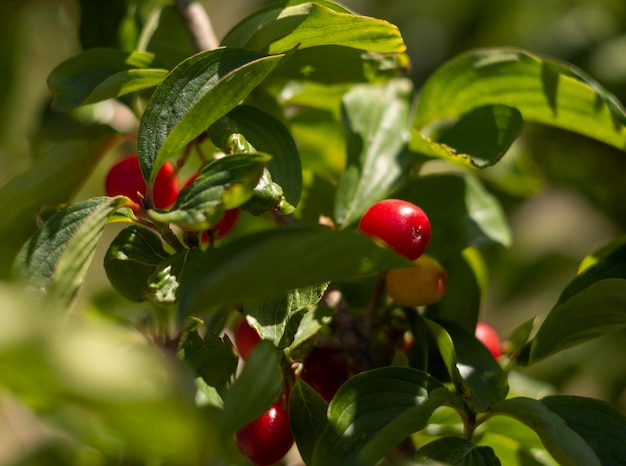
x: 564, y: 195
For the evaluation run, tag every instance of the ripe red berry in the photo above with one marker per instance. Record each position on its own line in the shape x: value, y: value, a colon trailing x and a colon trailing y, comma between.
x: 125, y: 179
x: 325, y: 371
x: 268, y: 438
x: 246, y: 338
x: 490, y: 338
x: 401, y: 224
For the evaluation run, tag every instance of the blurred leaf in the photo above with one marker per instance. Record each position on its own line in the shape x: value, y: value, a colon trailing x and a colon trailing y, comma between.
x: 468, y: 215
x: 562, y: 442
x: 602, y: 426
x: 171, y: 274
x: 384, y: 406
x: 458, y: 451
x: 299, y: 257
x: 266, y: 134
x: 544, y: 91
x: 198, y: 92
x: 307, y: 418
x: 282, y: 27
x: 55, y: 260
x: 482, y: 135
x: 100, y: 22
x: 47, y: 183
x: 130, y: 260
x: 223, y: 184
x: 377, y: 121
x: 599, y: 308
x: 100, y: 74
x: 253, y: 392
x: 166, y: 35
x: 333, y: 64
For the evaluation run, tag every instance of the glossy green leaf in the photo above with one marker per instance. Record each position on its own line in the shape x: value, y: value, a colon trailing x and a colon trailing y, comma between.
x: 458, y: 451
x: 275, y: 261
x: 171, y: 274
x: 55, y: 260
x: 131, y: 259
x: 562, y: 442
x: 543, y: 90
x: 100, y: 74
x: 602, y: 426
x: 307, y: 418
x: 47, y: 183
x: 598, y: 309
x: 308, y: 24
x: 377, y: 121
x: 468, y: 215
x: 384, y: 406
x: 277, y: 319
x: 241, y: 404
x: 223, y: 184
x: 266, y: 134
x: 481, y: 136
x: 198, y: 92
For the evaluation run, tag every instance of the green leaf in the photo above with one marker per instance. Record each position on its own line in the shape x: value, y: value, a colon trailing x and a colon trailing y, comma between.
x: 223, y: 184
x: 304, y: 25
x: 131, y: 259
x: 307, y: 418
x: 458, y: 451
x: 602, y: 426
x: 100, y: 74
x: 100, y: 23
x: 55, y: 260
x: 377, y: 120
x: 384, y: 406
x: 468, y: 215
x: 275, y: 261
x: 243, y: 404
x: 599, y: 308
x: 267, y: 134
x: 562, y: 442
x: 481, y: 136
x: 198, y: 92
x: 171, y: 274
x: 47, y: 183
x: 544, y: 91
x: 277, y: 319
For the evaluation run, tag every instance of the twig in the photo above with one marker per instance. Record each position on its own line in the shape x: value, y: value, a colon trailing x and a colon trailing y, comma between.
x: 198, y: 24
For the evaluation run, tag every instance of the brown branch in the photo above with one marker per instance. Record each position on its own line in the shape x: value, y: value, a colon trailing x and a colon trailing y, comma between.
x: 198, y: 24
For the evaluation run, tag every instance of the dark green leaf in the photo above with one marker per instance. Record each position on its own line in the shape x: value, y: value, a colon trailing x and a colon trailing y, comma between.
x: 100, y: 74
x: 483, y: 134
x: 223, y: 184
x: 131, y: 259
x: 267, y: 197
x: 458, y: 451
x: 384, y: 406
x: 467, y: 215
x: 307, y: 417
x: 198, y: 92
x: 55, y: 260
x: 303, y: 25
x: 269, y: 135
x: 278, y: 318
x: 543, y: 90
x: 562, y: 442
x: 598, y: 309
x: 272, y: 262
x: 100, y: 22
x: 254, y: 391
x: 377, y: 120
x: 602, y: 426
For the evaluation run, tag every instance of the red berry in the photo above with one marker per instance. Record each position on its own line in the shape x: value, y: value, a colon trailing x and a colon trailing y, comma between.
x: 268, y: 438
x: 246, y: 338
x: 490, y: 338
x: 325, y: 371
x: 125, y: 179
x: 402, y: 225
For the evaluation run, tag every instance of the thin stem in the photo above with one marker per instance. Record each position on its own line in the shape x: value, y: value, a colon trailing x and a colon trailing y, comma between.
x: 198, y: 24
